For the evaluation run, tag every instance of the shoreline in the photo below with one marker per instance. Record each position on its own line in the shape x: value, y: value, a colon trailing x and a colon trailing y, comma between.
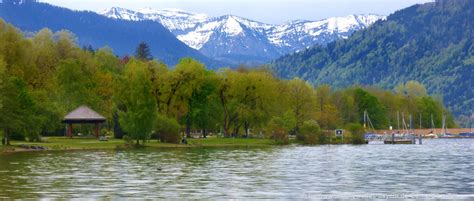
x: 89, y: 144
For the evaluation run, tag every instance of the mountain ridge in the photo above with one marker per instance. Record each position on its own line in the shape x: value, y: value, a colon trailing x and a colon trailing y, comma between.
x: 98, y: 31
x: 431, y: 43
x: 227, y: 37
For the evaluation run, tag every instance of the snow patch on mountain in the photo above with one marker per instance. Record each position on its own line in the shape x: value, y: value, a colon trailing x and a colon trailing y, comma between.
x: 239, y: 36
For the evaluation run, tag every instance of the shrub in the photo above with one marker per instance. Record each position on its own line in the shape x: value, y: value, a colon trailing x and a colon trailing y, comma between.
x: 278, y: 132
x: 310, y: 133
x: 33, y: 137
x: 107, y: 132
x: 167, y: 130
x: 357, y: 133
x: 128, y: 140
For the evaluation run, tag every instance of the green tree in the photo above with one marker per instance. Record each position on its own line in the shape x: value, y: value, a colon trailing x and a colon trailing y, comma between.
x: 76, y: 84
x: 411, y: 88
x: 300, y: 100
x: 277, y: 130
x: 429, y: 108
x: 135, y: 94
x: 311, y: 133
x: 376, y: 111
x: 203, y: 107
x: 357, y: 133
x: 66, y: 45
x: 143, y: 52
x: 167, y: 129
x: 18, y: 110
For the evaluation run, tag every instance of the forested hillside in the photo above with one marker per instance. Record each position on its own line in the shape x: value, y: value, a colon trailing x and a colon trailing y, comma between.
x: 98, y: 31
x: 432, y: 43
x: 44, y: 77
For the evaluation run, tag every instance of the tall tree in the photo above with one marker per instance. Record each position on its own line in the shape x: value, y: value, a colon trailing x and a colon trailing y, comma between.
x: 376, y: 111
x: 301, y: 100
x: 135, y: 94
x: 143, y: 52
x: 17, y: 109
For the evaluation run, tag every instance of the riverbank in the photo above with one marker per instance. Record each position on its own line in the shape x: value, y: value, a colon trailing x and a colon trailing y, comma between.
x: 62, y: 143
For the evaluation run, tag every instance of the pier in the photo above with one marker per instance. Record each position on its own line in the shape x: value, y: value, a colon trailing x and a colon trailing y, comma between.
x: 393, y: 139
x: 426, y: 132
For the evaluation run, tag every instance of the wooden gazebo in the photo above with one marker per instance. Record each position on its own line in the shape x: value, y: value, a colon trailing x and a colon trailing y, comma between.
x: 83, y: 115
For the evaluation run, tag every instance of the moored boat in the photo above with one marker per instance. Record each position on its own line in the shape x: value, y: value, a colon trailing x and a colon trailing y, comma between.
x: 466, y: 135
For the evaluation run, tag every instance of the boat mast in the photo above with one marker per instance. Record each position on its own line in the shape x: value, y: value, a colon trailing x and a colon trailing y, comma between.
x: 443, y: 125
x: 398, y: 121
x: 365, y: 118
x: 433, y: 128
x: 404, y: 124
x: 420, y: 121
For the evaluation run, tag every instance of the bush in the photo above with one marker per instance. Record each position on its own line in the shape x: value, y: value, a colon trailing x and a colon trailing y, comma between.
x: 107, y: 132
x: 167, y: 130
x: 128, y: 140
x: 33, y: 137
x: 310, y: 133
x: 357, y: 133
x: 278, y: 132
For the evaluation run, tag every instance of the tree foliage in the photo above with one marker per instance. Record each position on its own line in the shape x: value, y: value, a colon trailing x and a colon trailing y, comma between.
x: 143, y: 52
x: 431, y: 43
x: 311, y: 133
x: 135, y: 94
x: 45, y: 76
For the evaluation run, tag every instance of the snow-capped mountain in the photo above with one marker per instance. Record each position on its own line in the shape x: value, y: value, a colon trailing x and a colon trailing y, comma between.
x: 238, y: 40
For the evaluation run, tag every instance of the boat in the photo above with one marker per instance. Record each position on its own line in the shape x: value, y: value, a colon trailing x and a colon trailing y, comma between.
x: 371, y: 137
x: 396, y: 137
x: 432, y: 134
x: 444, y: 130
x: 466, y: 135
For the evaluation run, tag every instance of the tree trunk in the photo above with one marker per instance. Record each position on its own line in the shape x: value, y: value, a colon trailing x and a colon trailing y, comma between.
x: 246, y: 127
x: 188, y: 126
x: 235, y: 133
x: 226, y: 120
x: 138, y: 142
x: 204, y: 133
x: 7, y: 136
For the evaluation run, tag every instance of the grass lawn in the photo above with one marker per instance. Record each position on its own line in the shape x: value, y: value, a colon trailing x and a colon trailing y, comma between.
x: 223, y: 142
x: 63, y: 143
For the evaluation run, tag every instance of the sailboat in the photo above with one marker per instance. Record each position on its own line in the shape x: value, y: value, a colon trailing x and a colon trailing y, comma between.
x: 444, y: 130
x: 367, y: 123
x: 469, y: 134
x: 433, y: 133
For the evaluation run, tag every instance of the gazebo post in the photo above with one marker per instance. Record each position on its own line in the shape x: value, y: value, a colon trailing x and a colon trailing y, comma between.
x: 69, y: 130
x: 97, y: 130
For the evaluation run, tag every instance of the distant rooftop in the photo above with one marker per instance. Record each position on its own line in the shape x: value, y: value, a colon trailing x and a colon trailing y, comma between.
x: 84, y: 114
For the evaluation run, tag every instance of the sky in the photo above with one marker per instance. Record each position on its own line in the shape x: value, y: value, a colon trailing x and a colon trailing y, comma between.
x: 269, y: 11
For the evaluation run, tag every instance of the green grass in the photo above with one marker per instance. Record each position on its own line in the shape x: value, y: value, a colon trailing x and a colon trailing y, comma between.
x: 62, y: 143
x: 223, y: 142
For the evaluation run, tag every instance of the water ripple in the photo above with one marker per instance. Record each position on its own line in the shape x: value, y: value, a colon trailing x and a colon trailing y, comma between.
x: 439, y: 169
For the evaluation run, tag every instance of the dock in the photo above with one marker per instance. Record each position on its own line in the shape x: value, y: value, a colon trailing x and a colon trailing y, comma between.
x: 392, y: 139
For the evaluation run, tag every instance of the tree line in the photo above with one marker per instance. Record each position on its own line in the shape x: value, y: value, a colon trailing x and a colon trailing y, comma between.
x: 47, y: 75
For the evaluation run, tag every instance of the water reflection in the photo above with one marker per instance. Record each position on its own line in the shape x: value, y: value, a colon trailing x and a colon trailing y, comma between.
x: 437, y: 169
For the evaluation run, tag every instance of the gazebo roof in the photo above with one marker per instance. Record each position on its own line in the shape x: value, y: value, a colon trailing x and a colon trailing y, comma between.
x: 84, y: 114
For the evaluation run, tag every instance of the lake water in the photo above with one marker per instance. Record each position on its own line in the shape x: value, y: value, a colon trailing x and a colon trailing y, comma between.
x: 438, y: 169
